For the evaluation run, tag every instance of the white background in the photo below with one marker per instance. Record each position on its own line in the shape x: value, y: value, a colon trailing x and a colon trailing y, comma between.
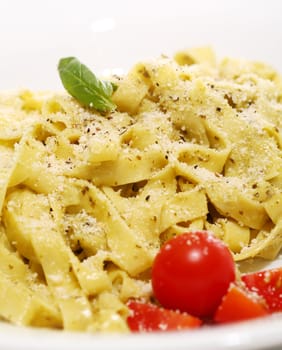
x: 35, y: 34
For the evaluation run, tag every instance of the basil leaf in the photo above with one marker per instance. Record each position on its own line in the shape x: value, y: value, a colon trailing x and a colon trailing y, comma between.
x: 84, y: 86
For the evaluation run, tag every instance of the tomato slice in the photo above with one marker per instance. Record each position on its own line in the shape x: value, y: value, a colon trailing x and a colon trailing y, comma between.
x: 145, y: 317
x: 238, y: 305
x: 268, y: 284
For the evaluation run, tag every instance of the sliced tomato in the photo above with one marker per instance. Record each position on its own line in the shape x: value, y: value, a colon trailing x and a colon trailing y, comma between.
x: 268, y: 284
x: 238, y: 305
x: 145, y: 317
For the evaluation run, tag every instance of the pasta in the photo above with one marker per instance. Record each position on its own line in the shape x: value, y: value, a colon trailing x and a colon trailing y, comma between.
x: 87, y: 200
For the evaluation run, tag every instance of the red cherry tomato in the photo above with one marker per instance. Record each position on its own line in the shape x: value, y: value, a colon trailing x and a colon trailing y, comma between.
x: 238, y: 305
x: 149, y: 318
x: 267, y: 284
x: 192, y: 272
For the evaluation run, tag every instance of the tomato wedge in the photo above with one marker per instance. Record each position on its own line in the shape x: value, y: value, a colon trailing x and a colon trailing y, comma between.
x: 238, y: 305
x: 145, y: 317
x: 267, y: 284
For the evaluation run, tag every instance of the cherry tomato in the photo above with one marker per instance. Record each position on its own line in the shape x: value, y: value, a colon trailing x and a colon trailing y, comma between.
x: 238, y: 305
x: 268, y: 284
x: 192, y: 272
x: 149, y: 318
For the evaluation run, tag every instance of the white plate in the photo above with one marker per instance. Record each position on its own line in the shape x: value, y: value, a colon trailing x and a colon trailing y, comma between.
x: 263, y: 334
x: 113, y: 35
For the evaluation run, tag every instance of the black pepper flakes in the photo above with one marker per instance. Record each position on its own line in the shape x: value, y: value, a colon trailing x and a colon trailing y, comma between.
x: 85, y: 190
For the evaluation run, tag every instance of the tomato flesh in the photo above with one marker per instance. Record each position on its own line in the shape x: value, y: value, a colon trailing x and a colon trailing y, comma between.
x: 149, y: 318
x: 268, y: 284
x: 192, y: 272
x: 237, y: 305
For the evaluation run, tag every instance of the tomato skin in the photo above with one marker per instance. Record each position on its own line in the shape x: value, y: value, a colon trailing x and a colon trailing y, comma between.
x: 192, y: 272
x: 146, y: 317
x: 268, y: 284
x: 237, y: 305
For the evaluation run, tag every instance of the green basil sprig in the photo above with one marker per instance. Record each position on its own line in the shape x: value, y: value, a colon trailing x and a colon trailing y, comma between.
x: 84, y: 86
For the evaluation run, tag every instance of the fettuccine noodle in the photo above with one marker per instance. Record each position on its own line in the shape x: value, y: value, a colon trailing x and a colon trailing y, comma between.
x: 87, y: 200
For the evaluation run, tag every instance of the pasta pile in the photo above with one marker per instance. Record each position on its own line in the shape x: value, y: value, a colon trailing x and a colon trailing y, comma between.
x: 87, y: 200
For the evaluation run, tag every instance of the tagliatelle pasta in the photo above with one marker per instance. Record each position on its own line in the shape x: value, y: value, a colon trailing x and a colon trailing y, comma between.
x: 87, y: 200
